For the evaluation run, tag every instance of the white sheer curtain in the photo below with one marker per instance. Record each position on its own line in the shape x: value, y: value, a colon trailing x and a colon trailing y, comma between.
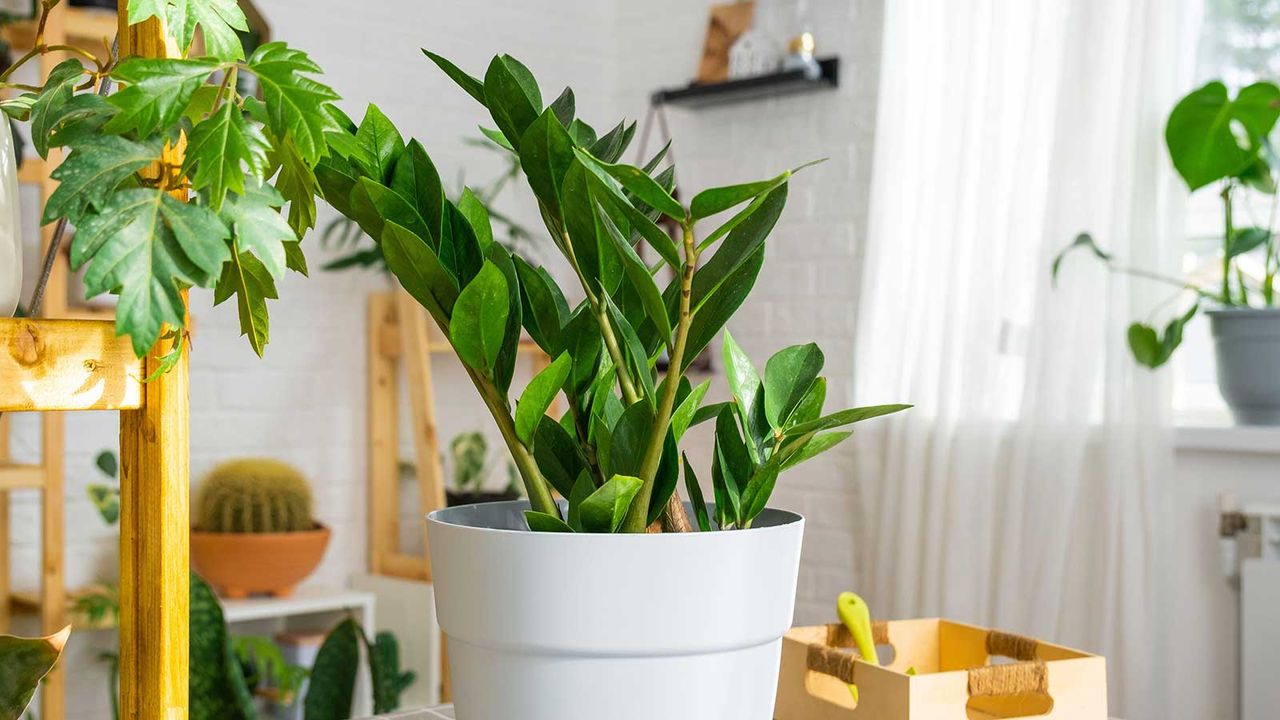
x: 1025, y: 490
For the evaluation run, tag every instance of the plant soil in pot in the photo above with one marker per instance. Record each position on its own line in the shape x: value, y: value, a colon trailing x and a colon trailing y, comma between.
x: 254, y: 531
x: 1247, y: 346
x: 620, y: 600
x: 576, y: 626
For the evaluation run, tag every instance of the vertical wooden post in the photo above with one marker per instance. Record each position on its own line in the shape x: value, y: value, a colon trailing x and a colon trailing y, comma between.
x: 415, y: 339
x: 4, y: 530
x: 384, y: 440
x: 154, y: 512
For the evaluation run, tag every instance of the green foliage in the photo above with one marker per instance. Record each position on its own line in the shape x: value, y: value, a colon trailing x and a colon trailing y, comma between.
x: 614, y: 454
x: 1212, y: 139
x: 106, y: 496
x: 253, y: 496
x: 23, y: 663
x: 469, y: 453
x: 245, y: 160
x: 217, y: 687
x: 333, y: 678
x: 265, y: 666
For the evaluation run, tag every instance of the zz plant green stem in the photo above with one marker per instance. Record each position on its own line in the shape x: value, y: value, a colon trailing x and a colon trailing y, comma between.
x: 1214, y: 138
x: 613, y: 457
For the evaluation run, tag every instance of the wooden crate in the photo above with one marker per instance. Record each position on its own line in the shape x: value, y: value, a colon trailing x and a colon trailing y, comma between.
x: 955, y: 678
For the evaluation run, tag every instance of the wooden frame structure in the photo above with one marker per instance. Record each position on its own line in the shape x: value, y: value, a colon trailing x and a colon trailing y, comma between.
x: 53, y: 366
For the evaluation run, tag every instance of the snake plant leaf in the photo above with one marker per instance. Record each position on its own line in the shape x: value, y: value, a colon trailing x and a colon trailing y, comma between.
x: 474, y: 87
x: 149, y: 246
x: 251, y: 283
x: 419, y: 271
x: 844, y: 417
x: 477, y: 216
x: 417, y: 180
x: 377, y: 145
x: 787, y: 378
x: 564, y: 107
x: 558, y: 455
x: 333, y: 677
x: 296, y: 104
x: 738, y: 248
x: 258, y: 227
x: 715, y: 312
x: 682, y: 416
x: 639, y: 183
x: 222, y: 151
x: 638, y: 274
x: 542, y: 522
x: 610, y: 147
x: 479, y: 319
x: 217, y: 686
x: 539, y: 394
x: 297, y: 182
x: 605, y: 509
x: 93, y: 170
x: 692, y: 487
x: 23, y: 663
x: 156, y: 92
x: 546, y: 153
x: 816, y: 445
x: 1200, y: 132
x: 512, y: 95
x: 544, y: 309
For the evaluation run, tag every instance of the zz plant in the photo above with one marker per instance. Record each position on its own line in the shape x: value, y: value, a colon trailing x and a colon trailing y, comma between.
x: 1220, y: 141
x: 621, y: 355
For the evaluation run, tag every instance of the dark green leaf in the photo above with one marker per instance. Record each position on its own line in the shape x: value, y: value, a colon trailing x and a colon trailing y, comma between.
x: 391, y: 207
x: 844, y: 417
x: 787, y: 377
x: 248, y: 280
x: 583, y: 343
x: 583, y: 134
x: 80, y: 117
x: 505, y: 367
x: 479, y: 320
x: 605, y: 509
x: 1200, y: 135
x: 756, y: 496
x: 637, y: 360
x: 580, y: 222
x: 738, y: 248
x: 220, y: 20
x: 564, y: 107
x: 93, y: 170
x: 23, y: 663
x: 474, y: 87
x: 156, y: 92
x: 582, y: 490
x: 610, y: 147
x: 217, y: 687
x: 542, y: 522
x: 333, y: 676
x: 297, y: 183
x: 107, y: 462
x: 546, y: 153
x: 106, y: 500
x: 715, y: 200
x: 223, y: 149
x: 512, y: 96
x: 296, y: 104
x: 722, y: 305
x: 558, y: 455
x: 416, y: 179
x: 692, y: 487
x: 1083, y: 240
x: 682, y: 417
x: 629, y: 441
x: 747, y: 390
x: 377, y: 145
x: 655, y: 236
x: 258, y: 227
x: 636, y: 181
x: 665, y: 479
x: 477, y: 216
x: 544, y: 308
x: 810, y: 406
x: 1153, y: 350
x: 538, y: 395
x: 1247, y: 239
x: 638, y: 273
x: 816, y: 445
x: 48, y: 105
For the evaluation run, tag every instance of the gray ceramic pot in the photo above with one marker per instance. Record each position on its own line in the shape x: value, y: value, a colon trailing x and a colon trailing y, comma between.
x: 1247, y: 345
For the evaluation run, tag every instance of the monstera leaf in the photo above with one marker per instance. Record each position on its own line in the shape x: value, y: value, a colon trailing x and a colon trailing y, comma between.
x: 23, y: 663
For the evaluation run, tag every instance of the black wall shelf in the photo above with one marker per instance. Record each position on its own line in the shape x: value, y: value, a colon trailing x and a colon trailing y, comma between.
x: 780, y: 83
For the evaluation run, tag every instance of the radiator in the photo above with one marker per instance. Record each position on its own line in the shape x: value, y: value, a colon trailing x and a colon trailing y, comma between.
x: 1252, y: 546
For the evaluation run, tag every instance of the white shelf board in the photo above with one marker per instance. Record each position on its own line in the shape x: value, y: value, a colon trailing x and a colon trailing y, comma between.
x: 1215, y: 432
x: 302, y: 602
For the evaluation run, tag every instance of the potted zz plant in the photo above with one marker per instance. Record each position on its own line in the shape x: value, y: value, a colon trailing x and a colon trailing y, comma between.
x: 1218, y: 140
x: 617, y: 598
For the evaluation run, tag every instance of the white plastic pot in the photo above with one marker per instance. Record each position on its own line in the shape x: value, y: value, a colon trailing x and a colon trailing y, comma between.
x: 10, y: 224
x: 551, y: 626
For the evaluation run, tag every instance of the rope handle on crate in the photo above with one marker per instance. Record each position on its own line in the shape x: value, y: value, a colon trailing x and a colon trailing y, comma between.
x: 1028, y: 675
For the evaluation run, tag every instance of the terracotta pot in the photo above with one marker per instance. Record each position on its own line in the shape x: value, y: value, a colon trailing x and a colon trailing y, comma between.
x: 238, y: 564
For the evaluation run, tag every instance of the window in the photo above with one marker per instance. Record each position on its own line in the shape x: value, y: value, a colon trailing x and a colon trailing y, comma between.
x: 1239, y: 44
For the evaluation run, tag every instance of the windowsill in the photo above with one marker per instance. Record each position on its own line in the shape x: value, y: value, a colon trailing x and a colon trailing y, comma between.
x: 1213, y: 431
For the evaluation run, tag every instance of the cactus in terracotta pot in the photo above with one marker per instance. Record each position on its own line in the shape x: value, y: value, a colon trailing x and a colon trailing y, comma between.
x: 253, y: 531
x: 254, y: 495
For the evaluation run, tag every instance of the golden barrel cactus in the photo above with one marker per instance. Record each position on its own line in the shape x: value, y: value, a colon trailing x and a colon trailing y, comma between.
x: 253, y: 495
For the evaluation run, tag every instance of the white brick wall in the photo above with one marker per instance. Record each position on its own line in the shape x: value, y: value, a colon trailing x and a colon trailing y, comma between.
x: 305, y: 403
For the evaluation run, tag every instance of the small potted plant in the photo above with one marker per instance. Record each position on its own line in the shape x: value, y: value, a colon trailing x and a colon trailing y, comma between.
x: 1218, y: 140
x: 469, y: 460
x: 617, y: 598
x: 254, y: 532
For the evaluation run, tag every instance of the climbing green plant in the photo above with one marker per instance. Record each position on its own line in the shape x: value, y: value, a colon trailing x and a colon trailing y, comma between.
x: 175, y: 180
x: 1220, y: 141
x: 621, y: 356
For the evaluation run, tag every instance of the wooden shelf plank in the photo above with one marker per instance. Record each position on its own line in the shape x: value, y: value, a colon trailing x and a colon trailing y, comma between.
x: 66, y: 365
x: 16, y: 477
